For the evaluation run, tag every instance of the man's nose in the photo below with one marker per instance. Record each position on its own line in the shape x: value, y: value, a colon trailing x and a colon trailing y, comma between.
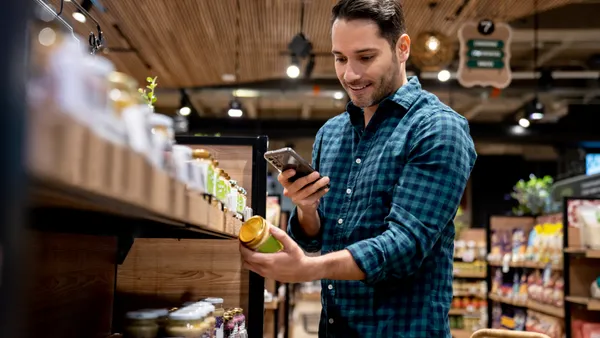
x: 351, y: 74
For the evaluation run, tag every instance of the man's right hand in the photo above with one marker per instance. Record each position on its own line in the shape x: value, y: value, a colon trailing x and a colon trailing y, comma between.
x: 305, y: 192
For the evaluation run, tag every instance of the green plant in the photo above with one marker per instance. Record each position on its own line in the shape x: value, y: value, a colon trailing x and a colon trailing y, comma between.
x: 149, y: 96
x: 533, y: 196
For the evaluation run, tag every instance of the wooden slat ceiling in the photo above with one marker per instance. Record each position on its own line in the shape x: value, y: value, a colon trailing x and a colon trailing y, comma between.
x: 190, y: 43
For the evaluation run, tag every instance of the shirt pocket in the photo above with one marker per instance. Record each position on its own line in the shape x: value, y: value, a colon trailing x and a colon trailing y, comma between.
x: 369, y: 216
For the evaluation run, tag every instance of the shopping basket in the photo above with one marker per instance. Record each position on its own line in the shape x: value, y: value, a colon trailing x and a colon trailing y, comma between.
x: 494, y: 333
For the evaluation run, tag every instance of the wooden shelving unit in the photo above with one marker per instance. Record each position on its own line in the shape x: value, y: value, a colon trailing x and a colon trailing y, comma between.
x: 97, y: 253
x: 582, y: 265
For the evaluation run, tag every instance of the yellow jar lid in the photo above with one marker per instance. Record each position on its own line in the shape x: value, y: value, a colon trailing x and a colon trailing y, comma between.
x: 200, y: 153
x: 251, y: 229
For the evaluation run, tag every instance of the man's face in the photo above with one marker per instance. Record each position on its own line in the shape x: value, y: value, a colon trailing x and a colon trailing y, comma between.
x: 366, y: 65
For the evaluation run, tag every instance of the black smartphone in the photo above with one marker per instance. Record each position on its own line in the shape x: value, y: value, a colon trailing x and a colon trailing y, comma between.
x: 286, y: 158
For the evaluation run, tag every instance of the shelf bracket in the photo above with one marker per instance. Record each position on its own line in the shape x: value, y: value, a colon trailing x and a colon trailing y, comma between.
x: 124, y: 244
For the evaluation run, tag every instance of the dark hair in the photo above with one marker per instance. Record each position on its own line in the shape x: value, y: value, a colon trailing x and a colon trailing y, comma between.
x: 387, y: 14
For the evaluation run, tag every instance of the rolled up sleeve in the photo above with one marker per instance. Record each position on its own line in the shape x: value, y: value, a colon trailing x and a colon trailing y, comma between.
x: 425, y: 199
x: 309, y: 244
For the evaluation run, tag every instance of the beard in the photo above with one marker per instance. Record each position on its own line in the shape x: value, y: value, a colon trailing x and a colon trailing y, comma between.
x: 381, y: 88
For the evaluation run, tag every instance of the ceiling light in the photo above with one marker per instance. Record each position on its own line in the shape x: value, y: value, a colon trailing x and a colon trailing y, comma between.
x: 235, y: 109
x: 524, y: 123
x: 79, y: 17
x: 537, y: 116
x: 185, y: 111
x: 433, y: 43
x: 47, y: 37
x: 338, y: 95
x: 235, y: 112
x: 246, y: 93
x: 293, y: 71
x: 444, y: 75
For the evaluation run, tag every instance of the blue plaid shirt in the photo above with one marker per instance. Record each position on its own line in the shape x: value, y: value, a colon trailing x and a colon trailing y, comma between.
x: 395, y: 189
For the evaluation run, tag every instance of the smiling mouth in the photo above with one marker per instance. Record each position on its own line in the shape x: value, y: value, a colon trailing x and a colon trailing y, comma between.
x: 358, y: 88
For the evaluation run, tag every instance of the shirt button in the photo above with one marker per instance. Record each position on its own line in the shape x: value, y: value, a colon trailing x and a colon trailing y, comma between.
x: 340, y: 221
x: 358, y: 160
x: 330, y: 320
x: 330, y: 287
x: 348, y: 191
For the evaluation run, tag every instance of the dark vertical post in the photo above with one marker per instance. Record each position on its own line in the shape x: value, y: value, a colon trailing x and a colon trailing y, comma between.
x: 13, y: 67
x: 256, y: 299
x: 488, y: 277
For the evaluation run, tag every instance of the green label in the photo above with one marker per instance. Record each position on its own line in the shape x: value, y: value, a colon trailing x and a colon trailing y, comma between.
x: 240, y: 203
x: 221, y: 190
x: 486, y: 54
x: 271, y: 245
x: 210, y: 180
x: 490, y: 64
x: 481, y: 43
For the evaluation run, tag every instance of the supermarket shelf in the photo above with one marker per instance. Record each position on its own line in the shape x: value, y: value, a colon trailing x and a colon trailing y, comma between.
x: 462, y: 312
x: 528, y: 264
x: 457, y: 333
x: 469, y: 294
x: 51, y: 198
x: 591, y: 303
x: 469, y: 274
x: 583, y: 251
x: 530, y: 304
x: 272, y: 305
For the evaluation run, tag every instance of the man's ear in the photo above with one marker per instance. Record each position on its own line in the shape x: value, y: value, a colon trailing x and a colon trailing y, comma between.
x: 403, y: 47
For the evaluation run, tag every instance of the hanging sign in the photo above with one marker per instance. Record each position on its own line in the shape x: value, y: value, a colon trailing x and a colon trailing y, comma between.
x: 484, y: 56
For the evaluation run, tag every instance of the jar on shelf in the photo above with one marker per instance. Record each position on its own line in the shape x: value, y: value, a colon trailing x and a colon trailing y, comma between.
x: 222, y: 184
x: 230, y: 329
x: 256, y: 235
x: 241, y: 200
x: 233, y: 196
x: 218, y: 313
x: 185, y: 323
x: 215, y: 178
x: 123, y: 92
x: 141, y: 324
x: 163, y: 138
x: 203, y: 170
x: 182, y: 159
x: 239, y: 313
x: 161, y: 320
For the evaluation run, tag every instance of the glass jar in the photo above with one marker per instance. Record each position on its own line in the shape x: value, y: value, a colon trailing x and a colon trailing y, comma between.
x: 233, y: 196
x: 141, y: 324
x: 202, y: 167
x: 229, y: 325
x: 256, y: 235
x: 222, y: 183
x: 123, y: 92
x: 215, y: 178
x: 241, y: 200
x: 241, y: 322
x: 163, y: 138
x: 182, y: 159
x: 218, y: 313
x: 185, y: 323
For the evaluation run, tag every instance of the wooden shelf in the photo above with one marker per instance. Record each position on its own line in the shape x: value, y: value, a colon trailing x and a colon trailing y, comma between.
x: 528, y: 264
x: 462, y: 312
x: 52, y: 193
x: 469, y: 294
x: 469, y: 274
x: 591, y: 304
x: 530, y: 304
x: 588, y: 253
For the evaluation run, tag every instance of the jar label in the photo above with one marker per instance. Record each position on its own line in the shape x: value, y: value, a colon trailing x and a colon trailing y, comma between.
x: 210, y: 180
x: 221, y: 190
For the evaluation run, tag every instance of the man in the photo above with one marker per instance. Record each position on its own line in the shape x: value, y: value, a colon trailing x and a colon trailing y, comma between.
x: 397, y: 162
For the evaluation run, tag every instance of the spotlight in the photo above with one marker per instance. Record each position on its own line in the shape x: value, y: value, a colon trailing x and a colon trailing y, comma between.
x: 293, y: 71
x: 524, y: 123
x: 338, y: 95
x: 79, y: 17
x: 235, y: 109
x: 433, y: 43
x: 444, y: 75
x: 185, y: 111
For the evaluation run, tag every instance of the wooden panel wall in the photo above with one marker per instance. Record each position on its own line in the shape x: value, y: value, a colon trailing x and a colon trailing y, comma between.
x: 71, y: 286
x: 169, y: 272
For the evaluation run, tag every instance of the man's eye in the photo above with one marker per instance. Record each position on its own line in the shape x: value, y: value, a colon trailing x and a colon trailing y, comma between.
x: 366, y: 58
x: 340, y: 59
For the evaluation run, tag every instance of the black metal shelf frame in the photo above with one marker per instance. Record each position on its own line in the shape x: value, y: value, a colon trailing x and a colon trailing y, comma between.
x: 256, y: 301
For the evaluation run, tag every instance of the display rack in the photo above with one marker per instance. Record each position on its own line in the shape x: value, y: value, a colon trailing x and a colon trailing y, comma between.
x: 582, y: 267
x: 520, y: 298
x: 469, y: 273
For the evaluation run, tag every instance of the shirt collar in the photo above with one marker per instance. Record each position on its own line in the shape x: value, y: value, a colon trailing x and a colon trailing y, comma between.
x: 405, y: 96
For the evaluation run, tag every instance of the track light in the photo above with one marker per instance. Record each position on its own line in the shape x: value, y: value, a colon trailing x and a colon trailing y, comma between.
x: 524, y: 123
x: 293, y: 71
x: 444, y: 75
x: 185, y: 111
x: 77, y: 15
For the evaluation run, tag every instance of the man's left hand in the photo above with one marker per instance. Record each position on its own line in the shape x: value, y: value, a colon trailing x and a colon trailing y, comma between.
x: 290, y: 265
